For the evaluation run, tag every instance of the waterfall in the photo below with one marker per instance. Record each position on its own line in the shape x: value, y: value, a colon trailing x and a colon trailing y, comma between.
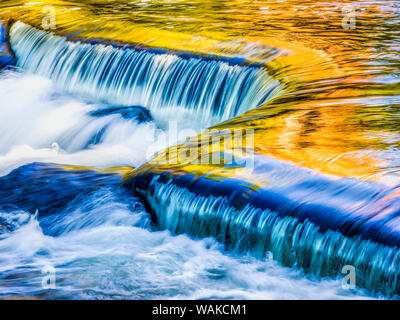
x: 209, y: 90
x: 261, y: 231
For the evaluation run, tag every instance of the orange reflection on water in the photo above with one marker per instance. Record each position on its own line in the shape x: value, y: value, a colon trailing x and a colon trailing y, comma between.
x: 342, y: 84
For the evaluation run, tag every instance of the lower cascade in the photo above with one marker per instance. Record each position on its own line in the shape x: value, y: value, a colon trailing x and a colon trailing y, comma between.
x: 262, y: 232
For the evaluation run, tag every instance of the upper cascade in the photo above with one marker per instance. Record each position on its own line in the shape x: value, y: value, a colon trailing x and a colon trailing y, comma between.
x: 210, y: 90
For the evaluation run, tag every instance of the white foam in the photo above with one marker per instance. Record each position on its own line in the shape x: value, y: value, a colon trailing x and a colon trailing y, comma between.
x: 38, y: 123
x: 117, y: 260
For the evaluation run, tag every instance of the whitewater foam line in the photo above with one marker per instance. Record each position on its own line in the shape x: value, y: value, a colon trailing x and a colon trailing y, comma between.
x: 158, y: 80
x: 310, y: 221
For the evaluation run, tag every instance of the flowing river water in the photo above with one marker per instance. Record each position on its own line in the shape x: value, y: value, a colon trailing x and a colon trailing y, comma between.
x: 102, y: 100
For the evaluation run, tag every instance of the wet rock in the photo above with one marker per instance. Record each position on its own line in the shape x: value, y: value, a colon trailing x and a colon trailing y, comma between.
x: 135, y: 113
x: 6, y: 56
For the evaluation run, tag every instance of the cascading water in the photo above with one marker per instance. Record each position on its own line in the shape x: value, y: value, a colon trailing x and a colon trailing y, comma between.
x: 92, y: 224
x: 290, y: 240
x: 167, y: 84
x: 323, y: 192
x: 44, y: 124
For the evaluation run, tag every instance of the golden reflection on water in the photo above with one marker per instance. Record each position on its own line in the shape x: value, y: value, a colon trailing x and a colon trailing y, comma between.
x: 340, y: 114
